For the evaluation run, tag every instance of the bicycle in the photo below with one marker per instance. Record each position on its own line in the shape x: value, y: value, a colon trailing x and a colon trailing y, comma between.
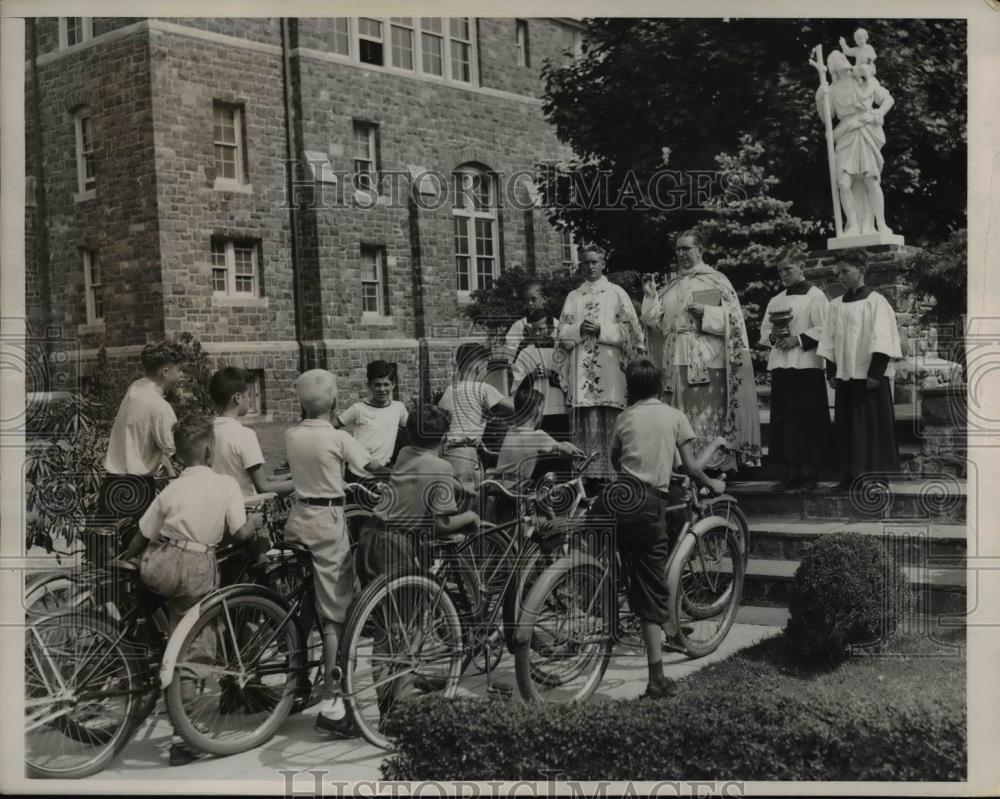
x: 92, y: 672
x: 419, y: 629
x: 264, y: 655
x: 573, y: 616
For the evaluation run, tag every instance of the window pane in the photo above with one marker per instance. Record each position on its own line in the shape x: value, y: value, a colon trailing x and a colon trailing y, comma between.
x: 432, y: 24
x: 459, y: 28
x: 461, y: 236
x: 85, y: 133
x: 89, y: 172
x: 460, y: 68
x: 371, y: 52
x: 225, y: 161
x: 484, y: 273
x: 408, y: 21
x: 462, y: 267
x: 369, y: 264
x: 484, y: 237
x: 74, y: 30
x: 432, y: 54
x: 341, y: 36
x: 219, y: 280
x: 243, y: 257
x: 218, y: 254
x: 225, y: 125
x: 95, y: 270
x: 98, y: 303
x: 402, y: 48
x: 369, y: 297
x: 370, y: 27
x: 363, y: 141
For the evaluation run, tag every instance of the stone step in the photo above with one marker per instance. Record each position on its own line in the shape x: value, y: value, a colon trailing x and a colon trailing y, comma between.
x: 914, y: 543
x: 930, y: 499
x: 937, y: 590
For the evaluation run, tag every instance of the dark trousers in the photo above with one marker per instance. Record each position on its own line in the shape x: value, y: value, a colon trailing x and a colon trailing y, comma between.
x: 865, y: 421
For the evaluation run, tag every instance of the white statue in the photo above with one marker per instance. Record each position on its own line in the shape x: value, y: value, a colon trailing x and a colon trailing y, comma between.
x: 860, y: 104
x: 863, y: 54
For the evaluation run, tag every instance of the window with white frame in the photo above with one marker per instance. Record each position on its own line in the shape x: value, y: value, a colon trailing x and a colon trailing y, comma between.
x: 93, y: 288
x: 75, y: 30
x: 401, y: 30
x: 570, y: 250
x: 255, y: 389
x: 86, y: 176
x: 370, y: 42
x: 373, y: 283
x: 432, y: 45
x: 228, y: 141
x: 521, y: 42
x: 340, y: 39
x: 365, y: 155
x: 235, y: 268
x: 474, y: 217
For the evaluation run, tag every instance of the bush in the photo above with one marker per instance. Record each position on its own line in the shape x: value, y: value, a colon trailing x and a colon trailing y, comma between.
x: 749, y: 722
x: 848, y: 591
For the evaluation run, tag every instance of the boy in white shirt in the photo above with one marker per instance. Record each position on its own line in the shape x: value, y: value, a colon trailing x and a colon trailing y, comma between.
x: 237, y: 451
x: 142, y: 437
x: 316, y: 453
x: 377, y: 422
x: 180, y: 530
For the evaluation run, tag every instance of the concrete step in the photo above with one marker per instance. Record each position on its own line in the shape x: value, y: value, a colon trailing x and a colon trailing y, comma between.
x: 914, y: 543
x: 937, y: 590
x: 942, y: 499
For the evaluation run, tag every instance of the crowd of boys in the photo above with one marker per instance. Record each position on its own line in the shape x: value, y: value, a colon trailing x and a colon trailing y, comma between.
x: 430, y: 476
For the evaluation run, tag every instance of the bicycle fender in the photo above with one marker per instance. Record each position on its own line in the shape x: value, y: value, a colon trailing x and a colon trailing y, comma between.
x: 703, y: 526
x: 173, y: 648
x: 529, y: 611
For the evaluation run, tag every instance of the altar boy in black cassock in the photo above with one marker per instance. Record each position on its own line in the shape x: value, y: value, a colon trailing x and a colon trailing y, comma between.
x: 800, y: 413
x: 859, y: 342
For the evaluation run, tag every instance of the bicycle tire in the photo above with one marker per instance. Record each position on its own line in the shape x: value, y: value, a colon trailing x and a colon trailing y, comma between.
x: 562, y: 583
x: 113, y: 679
x: 372, y: 635
x: 251, y: 612
x: 728, y: 508
x: 705, y: 562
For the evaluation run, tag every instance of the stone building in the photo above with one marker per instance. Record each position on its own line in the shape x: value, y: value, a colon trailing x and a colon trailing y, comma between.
x: 160, y: 203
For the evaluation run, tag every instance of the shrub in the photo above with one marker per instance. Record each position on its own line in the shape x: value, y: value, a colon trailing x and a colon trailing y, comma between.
x: 848, y: 591
x: 748, y: 723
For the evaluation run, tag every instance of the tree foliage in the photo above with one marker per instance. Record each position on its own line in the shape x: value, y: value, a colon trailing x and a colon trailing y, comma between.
x: 705, y: 84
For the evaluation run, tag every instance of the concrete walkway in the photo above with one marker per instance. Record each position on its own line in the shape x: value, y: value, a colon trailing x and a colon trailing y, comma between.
x: 297, y: 747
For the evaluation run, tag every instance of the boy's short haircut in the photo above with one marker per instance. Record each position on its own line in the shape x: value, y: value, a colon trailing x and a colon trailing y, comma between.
x: 642, y: 379
x: 532, y: 284
x: 469, y: 353
x: 317, y: 391
x: 527, y: 400
x: 190, y: 433
x: 155, y: 356
x: 427, y: 425
x: 225, y: 383
x: 379, y: 369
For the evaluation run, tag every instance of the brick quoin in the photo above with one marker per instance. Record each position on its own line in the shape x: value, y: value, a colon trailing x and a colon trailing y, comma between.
x: 151, y: 86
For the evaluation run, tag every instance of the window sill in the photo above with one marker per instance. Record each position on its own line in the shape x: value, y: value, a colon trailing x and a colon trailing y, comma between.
x: 374, y: 320
x: 84, y: 196
x: 228, y: 185
x: 91, y: 327
x: 225, y: 301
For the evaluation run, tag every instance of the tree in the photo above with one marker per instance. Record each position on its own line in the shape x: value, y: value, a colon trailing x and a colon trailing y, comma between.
x: 706, y: 83
x: 747, y: 231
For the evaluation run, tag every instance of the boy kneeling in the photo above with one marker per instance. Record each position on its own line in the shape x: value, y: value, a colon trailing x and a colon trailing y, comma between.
x: 181, y: 529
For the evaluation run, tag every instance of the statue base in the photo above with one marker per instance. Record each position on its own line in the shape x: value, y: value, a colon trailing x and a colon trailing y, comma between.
x: 864, y: 240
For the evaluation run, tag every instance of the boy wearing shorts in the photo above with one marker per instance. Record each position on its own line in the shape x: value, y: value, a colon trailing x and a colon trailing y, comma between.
x: 645, y: 441
x: 181, y: 529
x: 317, y: 453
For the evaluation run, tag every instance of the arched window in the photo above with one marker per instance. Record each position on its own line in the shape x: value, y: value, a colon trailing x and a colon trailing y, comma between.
x: 474, y: 212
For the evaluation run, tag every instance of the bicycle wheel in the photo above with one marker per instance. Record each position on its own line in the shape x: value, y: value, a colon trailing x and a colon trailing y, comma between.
x: 236, y: 675
x: 706, y: 574
x: 482, y: 573
x: 728, y: 508
x: 80, y: 697
x: 574, y: 611
x: 403, y: 639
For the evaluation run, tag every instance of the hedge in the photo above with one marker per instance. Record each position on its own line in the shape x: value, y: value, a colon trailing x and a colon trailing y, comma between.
x: 754, y: 723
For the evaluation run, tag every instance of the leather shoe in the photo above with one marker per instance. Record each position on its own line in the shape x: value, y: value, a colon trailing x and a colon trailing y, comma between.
x: 339, y: 728
x: 663, y: 689
x: 182, y: 754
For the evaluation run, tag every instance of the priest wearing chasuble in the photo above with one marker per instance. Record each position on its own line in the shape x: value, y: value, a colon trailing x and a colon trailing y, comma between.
x: 696, y: 325
x: 859, y: 342
x: 597, y: 335
x: 800, y: 414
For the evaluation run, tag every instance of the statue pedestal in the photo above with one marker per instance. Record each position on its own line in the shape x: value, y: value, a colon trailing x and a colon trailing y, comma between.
x: 863, y: 240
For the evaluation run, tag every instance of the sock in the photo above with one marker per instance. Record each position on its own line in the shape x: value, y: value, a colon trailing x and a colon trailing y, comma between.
x: 334, y: 709
x: 655, y: 671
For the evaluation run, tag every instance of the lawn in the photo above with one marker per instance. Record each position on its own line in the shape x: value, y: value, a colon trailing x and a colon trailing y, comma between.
x: 756, y: 716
